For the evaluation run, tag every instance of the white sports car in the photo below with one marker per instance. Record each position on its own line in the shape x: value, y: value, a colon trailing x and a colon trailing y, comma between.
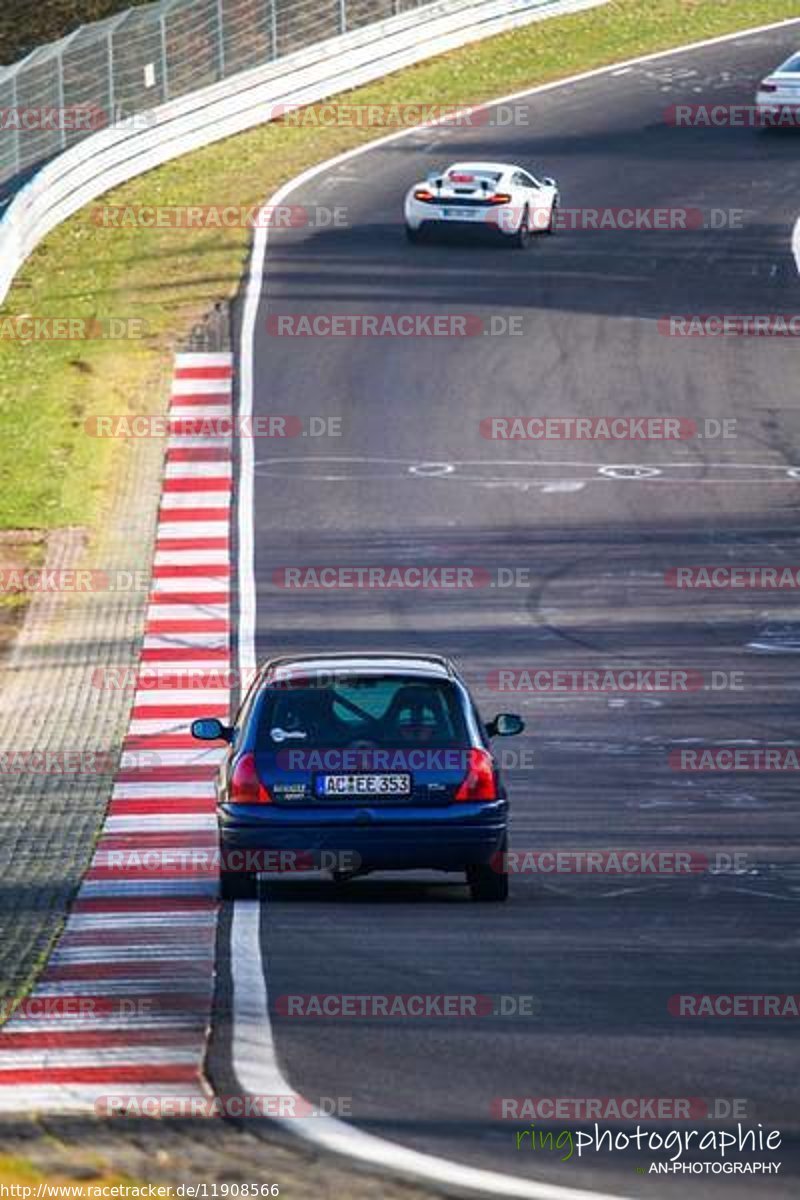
x: 778, y: 96
x: 481, y: 196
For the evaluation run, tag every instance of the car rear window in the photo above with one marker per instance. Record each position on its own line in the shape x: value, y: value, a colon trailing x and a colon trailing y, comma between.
x: 792, y: 65
x: 386, y: 711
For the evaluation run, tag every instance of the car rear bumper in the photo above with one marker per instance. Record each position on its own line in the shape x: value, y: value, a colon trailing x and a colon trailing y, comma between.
x: 401, y: 839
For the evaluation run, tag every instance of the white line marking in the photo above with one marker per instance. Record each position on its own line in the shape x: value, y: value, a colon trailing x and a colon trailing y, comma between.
x: 253, y: 1049
x: 256, y: 1067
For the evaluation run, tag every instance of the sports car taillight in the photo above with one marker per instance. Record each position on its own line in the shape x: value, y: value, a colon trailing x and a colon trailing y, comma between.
x: 480, y: 782
x: 768, y: 87
x: 246, y: 787
x: 423, y: 194
x: 500, y: 198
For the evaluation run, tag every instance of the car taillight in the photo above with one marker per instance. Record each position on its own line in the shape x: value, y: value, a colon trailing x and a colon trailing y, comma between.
x: 246, y: 787
x: 480, y: 782
x: 768, y: 87
x: 500, y: 198
x: 423, y: 194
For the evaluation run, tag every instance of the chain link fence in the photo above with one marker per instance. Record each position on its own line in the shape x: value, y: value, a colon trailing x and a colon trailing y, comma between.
x: 113, y: 71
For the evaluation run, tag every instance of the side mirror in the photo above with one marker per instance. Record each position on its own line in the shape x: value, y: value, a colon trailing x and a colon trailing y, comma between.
x: 548, y: 182
x: 211, y: 729
x: 505, y: 725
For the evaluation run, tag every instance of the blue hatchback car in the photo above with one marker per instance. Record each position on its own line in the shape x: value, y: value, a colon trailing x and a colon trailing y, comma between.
x: 359, y: 763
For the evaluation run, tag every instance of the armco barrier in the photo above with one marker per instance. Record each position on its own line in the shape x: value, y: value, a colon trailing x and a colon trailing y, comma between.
x: 114, y: 155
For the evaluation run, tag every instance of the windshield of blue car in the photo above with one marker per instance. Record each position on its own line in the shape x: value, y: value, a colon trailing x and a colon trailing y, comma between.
x: 386, y: 711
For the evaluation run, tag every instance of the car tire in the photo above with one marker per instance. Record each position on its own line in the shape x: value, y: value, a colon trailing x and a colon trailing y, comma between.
x: 551, y: 224
x: 238, y: 885
x: 413, y: 235
x: 522, y: 238
x: 486, y: 884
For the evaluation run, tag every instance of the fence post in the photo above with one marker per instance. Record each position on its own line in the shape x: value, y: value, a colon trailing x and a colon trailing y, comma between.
x: 62, y: 119
x: 112, y: 100
x: 221, y: 28
x: 17, y: 152
x: 162, y: 20
x: 343, y: 16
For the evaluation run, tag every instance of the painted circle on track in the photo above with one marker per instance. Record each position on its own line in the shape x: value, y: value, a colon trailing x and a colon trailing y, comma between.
x: 432, y: 468
x: 629, y: 472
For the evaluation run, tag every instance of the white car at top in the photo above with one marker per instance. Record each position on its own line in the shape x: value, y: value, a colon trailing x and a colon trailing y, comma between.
x: 778, y: 93
x: 480, y: 196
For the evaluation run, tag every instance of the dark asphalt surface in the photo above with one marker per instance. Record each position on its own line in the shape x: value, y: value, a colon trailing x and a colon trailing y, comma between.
x: 601, y: 955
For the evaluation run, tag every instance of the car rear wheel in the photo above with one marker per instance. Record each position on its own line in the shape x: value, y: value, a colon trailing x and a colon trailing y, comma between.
x: 238, y: 885
x: 413, y: 235
x: 551, y: 224
x: 522, y: 238
x: 488, y: 882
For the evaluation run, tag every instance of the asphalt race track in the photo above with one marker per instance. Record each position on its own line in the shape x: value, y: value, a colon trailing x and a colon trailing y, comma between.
x: 411, y: 481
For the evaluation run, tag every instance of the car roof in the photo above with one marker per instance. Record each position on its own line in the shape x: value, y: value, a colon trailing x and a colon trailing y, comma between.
x: 430, y: 666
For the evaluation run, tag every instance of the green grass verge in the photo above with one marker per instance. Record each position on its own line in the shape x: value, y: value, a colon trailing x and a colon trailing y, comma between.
x: 80, y: 1177
x: 53, y: 473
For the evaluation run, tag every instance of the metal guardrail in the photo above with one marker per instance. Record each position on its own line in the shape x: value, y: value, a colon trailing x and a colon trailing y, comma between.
x: 115, y: 154
x: 108, y: 72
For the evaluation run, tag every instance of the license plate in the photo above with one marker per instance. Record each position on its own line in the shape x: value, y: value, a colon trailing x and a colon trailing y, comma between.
x: 463, y: 214
x: 364, y: 785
